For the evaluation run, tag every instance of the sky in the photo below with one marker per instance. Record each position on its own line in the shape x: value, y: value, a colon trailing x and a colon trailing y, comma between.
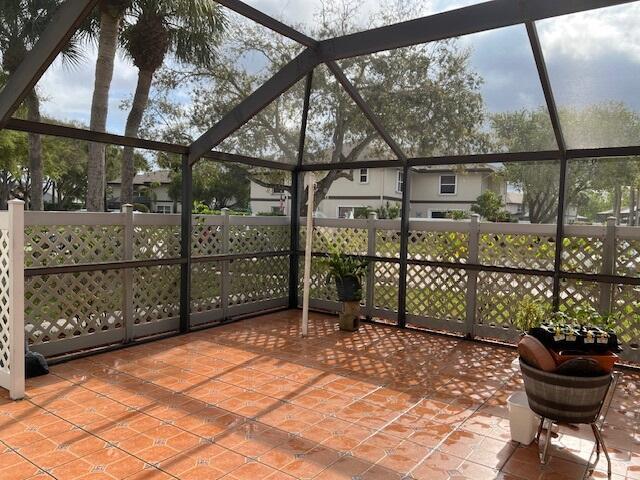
x: 591, y: 57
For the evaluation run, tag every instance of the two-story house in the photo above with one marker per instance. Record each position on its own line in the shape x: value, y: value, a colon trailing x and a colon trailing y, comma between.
x: 150, y: 189
x: 435, y: 191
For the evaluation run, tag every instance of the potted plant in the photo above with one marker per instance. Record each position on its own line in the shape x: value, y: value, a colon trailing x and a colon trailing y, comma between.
x: 347, y: 272
x: 530, y: 313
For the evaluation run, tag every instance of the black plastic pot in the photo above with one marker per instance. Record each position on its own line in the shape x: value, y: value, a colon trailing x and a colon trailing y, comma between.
x: 349, y: 288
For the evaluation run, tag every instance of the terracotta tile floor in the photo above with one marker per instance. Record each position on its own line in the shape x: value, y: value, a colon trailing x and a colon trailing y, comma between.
x: 253, y: 400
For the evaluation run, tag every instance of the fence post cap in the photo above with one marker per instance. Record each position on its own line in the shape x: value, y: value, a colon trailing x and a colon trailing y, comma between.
x: 16, y: 201
x: 373, y: 215
x: 127, y: 207
x: 611, y: 220
x: 225, y: 211
x: 475, y: 217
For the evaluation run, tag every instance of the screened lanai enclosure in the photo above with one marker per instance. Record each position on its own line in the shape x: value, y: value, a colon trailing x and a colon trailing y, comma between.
x: 407, y: 95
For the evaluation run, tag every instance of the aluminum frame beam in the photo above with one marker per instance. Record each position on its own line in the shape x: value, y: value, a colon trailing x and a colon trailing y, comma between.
x: 352, y: 91
x: 268, y: 21
x: 63, y: 25
x: 552, y: 108
x: 463, y: 21
x: 284, y: 79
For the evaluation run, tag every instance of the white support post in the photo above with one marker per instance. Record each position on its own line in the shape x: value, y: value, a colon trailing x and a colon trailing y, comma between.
x: 225, y: 284
x: 16, y: 299
x: 371, y: 251
x: 608, y: 265
x: 472, y: 275
x: 127, y: 273
x: 310, y: 182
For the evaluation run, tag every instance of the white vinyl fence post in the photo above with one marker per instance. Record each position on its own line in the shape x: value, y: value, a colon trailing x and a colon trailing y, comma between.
x: 127, y: 273
x: 608, y: 265
x: 225, y: 285
x: 472, y: 275
x: 371, y: 252
x: 310, y: 182
x: 16, y: 299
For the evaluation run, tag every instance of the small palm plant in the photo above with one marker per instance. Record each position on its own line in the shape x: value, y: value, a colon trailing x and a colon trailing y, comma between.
x: 347, y: 272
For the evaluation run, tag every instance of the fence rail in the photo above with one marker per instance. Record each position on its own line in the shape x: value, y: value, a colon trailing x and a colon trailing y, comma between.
x: 471, y: 277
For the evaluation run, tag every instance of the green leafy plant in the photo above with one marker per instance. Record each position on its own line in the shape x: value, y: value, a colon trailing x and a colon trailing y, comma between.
x: 589, y: 316
x: 530, y: 313
x: 341, y: 265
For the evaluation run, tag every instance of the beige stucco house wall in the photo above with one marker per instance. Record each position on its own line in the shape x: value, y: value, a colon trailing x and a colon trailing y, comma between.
x: 374, y: 188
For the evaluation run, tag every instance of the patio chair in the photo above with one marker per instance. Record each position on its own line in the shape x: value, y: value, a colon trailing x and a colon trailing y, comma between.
x: 568, y: 399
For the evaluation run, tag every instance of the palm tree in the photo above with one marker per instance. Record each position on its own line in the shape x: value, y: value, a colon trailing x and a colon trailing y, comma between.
x: 111, y: 15
x: 188, y: 30
x: 21, y: 24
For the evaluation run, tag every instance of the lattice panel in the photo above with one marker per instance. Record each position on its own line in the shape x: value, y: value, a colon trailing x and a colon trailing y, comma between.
x: 439, y: 246
x: 72, y: 244
x: 258, y: 279
x: 156, y: 242
x: 156, y: 293
x: 206, y: 240
x: 386, y: 284
x: 519, y: 251
x: 578, y: 293
x: 582, y: 254
x: 70, y: 305
x: 626, y: 300
x: 351, y: 241
x: 321, y: 287
x: 499, y: 295
x: 5, y: 321
x: 628, y: 257
x: 438, y: 293
x: 388, y: 243
x: 206, y: 281
x: 259, y: 238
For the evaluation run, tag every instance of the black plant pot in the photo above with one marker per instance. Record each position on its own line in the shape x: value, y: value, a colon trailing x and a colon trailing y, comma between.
x: 349, y: 289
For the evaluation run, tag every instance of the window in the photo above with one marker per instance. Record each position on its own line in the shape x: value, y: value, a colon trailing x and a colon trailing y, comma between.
x: 399, y: 181
x: 364, y: 175
x: 346, y: 212
x: 277, y: 210
x: 277, y: 190
x: 447, y: 184
x: 163, y: 209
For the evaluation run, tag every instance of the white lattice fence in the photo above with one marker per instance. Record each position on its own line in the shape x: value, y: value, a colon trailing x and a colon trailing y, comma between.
x: 12, y: 299
x: 518, y: 246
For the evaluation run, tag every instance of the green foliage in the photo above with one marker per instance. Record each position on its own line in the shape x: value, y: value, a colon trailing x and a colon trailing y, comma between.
x: 140, y: 207
x: 389, y: 211
x: 587, y: 315
x: 457, y: 215
x: 200, y: 208
x: 530, y: 313
x: 340, y: 265
x: 489, y: 206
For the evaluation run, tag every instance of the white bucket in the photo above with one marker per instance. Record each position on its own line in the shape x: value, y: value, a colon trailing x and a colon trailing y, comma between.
x: 523, y: 422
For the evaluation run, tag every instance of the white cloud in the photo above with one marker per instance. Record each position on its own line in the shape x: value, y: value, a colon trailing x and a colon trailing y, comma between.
x: 586, y: 35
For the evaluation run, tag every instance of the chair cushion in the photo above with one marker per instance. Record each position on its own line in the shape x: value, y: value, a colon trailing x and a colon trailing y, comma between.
x: 535, y: 354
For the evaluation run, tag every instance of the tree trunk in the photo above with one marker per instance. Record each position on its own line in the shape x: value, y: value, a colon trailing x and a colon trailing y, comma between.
x: 138, y: 106
x: 632, y: 206
x: 5, y: 187
x: 36, y: 173
x: 617, y: 202
x: 107, y: 44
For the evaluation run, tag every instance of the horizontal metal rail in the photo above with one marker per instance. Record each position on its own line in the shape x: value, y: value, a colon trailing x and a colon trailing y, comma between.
x: 156, y: 262
x: 591, y: 277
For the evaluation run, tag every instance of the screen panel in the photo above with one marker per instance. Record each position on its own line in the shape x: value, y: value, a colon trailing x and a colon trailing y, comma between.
x: 593, y: 60
x: 475, y: 94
